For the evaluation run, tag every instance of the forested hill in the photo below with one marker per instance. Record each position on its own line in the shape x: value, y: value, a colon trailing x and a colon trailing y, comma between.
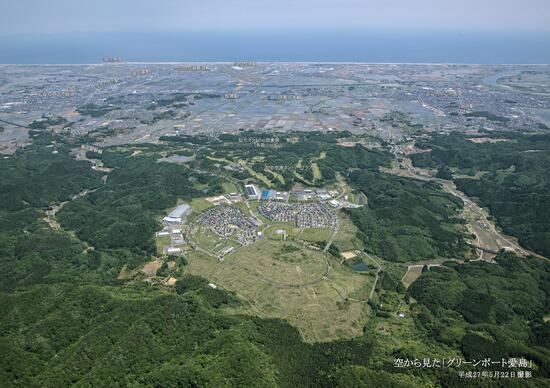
x: 68, y: 319
x: 513, y: 179
x: 404, y: 219
x: 488, y: 310
x: 408, y: 219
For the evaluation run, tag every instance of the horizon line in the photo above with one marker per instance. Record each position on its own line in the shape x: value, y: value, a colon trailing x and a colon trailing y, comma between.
x: 278, y: 62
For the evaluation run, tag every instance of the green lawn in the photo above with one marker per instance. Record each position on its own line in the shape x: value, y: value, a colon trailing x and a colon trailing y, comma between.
x: 229, y: 187
x: 316, y: 234
x: 200, y: 204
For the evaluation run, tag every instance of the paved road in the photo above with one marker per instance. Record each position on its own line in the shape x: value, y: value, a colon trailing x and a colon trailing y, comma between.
x: 12, y: 123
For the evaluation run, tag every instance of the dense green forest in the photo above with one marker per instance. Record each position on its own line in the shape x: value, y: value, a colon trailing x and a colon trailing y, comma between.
x: 57, y: 335
x: 488, y: 310
x: 66, y: 320
x: 122, y: 213
x: 514, y: 183
x: 407, y: 219
x: 36, y: 177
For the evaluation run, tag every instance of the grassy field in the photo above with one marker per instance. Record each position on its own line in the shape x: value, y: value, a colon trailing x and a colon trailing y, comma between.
x: 316, y: 171
x: 290, y: 229
x: 229, y: 187
x: 161, y: 242
x: 316, y: 234
x: 279, y: 177
x: 200, y: 204
x: 207, y: 240
x: 346, y: 238
x: 221, y: 160
x: 315, y: 167
x: 256, y: 274
x: 210, y: 241
x: 260, y: 177
x: 301, y: 178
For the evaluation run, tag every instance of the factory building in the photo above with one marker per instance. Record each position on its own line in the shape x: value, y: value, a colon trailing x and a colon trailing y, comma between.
x: 177, y: 215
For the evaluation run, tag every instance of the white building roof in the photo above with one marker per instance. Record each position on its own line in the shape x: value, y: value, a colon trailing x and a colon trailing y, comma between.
x: 180, y: 211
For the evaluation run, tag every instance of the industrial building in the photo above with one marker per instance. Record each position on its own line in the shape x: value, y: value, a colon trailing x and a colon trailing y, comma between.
x: 251, y: 191
x: 177, y: 215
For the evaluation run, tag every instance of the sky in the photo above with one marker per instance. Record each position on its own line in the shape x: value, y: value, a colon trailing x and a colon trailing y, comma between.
x: 68, y: 16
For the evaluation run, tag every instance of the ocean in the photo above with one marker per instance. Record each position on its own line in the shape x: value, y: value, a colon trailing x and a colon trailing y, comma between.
x: 373, y: 46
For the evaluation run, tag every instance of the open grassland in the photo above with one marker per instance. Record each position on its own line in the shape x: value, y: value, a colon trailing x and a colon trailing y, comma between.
x: 221, y: 160
x: 200, y: 204
x: 262, y: 272
x: 206, y: 239
x: 229, y: 187
x: 346, y: 238
x: 302, y: 179
x: 316, y: 234
x: 279, y: 177
x: 213, y: 243
x: 271, y: 232
x: 316, y: 171
x: 162, y: 242
x: 293, y: 232
x: 280, y: 263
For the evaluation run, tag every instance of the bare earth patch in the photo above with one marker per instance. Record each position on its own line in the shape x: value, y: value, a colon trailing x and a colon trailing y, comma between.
x: 412, y: 274
x: 151, y: 268
x: 124, y: 274
x: 349, y: 254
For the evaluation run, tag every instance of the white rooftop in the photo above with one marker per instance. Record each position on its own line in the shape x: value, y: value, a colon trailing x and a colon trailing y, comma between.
x: 180, y: 211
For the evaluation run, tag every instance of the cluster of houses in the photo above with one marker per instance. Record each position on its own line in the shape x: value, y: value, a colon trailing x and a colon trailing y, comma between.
x: 304, y: 215
x: 229, y: 221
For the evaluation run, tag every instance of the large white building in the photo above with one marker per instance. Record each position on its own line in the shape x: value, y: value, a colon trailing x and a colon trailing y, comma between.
x: 177, y: 215
x: 251, y: 191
